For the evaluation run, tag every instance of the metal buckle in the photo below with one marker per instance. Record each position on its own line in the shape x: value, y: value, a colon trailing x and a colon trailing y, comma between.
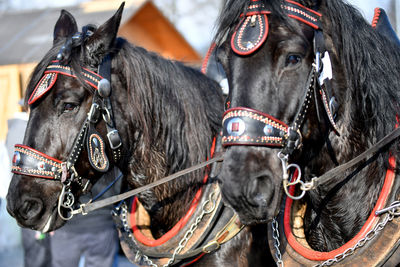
x: 94, y: 113
x: 114, y: 139
x: 210, y: 247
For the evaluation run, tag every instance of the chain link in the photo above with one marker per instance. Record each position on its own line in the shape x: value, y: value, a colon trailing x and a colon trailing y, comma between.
x: 368, y: 237
x: 277, y: 243
x: 207, y: 208
x: 392, y: 212
x: 193, y: 228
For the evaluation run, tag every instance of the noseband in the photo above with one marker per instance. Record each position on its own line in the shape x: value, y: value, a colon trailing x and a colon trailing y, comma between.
x: 30, y: 162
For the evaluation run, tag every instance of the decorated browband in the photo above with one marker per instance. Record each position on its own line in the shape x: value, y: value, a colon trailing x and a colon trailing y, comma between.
x: 50, y: 76
x: 28, y: 161
x: 252, y: 30
x: 245, y: 126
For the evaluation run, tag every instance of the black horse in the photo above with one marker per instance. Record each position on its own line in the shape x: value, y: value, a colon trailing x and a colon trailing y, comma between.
x: 155, y: 118
x: 312, y: 86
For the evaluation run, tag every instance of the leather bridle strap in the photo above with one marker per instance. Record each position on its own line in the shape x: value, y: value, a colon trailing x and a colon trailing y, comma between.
x: 333, y: 173
x: 88, y: 207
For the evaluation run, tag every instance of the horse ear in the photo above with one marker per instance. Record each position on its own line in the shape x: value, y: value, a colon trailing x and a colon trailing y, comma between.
x: 65, y: 26
x: 103, y: 38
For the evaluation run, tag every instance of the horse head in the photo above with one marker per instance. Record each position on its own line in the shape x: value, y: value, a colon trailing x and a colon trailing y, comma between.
x: 71, y: 138
x: 294, y: 79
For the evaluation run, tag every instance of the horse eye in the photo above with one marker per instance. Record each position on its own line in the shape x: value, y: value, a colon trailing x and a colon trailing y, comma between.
x: 292, y: 60
x: 68, y: 107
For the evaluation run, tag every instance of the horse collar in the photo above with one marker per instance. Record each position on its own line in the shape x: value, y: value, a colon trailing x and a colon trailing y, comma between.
x: 192, y: 237
x: 298, y: 253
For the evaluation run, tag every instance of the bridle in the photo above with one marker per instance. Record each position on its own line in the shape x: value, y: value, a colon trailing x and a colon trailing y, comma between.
x: 30, y: 162
x: 245, y: 126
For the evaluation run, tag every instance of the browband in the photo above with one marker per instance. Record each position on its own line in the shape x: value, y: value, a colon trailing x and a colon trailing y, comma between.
x: 50, y: 76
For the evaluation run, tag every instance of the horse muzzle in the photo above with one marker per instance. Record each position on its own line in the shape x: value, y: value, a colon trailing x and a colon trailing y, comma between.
x: 251, y: 183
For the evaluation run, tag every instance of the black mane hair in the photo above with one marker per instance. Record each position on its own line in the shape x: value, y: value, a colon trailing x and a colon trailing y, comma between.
x: 176, y: 111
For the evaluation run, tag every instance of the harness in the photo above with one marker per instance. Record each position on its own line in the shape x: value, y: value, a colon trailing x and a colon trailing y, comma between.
x: 245, y: 126
x: 208, y: 223
x: 30, y: 162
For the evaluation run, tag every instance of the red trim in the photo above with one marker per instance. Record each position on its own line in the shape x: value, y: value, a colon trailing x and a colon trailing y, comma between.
x: 207, y: 58
x: 179, y: 225
x: 377, y: 15
x: 371, y: 221
x: 53, y: 81
x: 251, y: 13
x: 304, y: 21
x: 38, y: 152
x: 256, y: 112
x: 94, y: 73
x: 39, y: 176
x: 255, y: 48
x: 306, y: 8
x: 196, y: 259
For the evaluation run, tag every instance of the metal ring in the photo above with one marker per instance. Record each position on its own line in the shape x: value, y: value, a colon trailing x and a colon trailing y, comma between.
x: 298, y: 176
x: 211, y: 209
x: 106, y: 116
x: 285, y: 187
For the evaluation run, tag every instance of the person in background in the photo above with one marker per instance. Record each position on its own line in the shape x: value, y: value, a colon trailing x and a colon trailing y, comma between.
x: 92, y: 236
x: 36, y: 246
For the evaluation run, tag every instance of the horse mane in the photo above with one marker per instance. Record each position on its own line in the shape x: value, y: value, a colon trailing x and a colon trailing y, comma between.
x: 166, y: 96
x: 177, y: 109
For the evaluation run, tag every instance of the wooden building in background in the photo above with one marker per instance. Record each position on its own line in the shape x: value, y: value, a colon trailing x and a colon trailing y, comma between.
x: 27, y: 36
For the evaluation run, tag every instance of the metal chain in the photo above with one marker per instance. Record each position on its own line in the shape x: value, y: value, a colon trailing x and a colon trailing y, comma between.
x: 192, y: 228
x: 368, y: 237
x: 277, y: 243
x: 182, y: 243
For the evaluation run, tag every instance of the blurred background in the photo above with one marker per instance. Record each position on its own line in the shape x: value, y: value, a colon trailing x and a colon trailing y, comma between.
x: 176, y: 29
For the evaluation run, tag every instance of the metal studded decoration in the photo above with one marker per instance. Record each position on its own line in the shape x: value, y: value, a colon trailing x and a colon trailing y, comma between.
x: 50, y: 76
x: 252, y: 30
x: 97, y: 154
x: 245, y: 126
x: 28, y: 161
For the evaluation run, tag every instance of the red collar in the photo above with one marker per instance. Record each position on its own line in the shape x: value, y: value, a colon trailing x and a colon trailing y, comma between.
x: 369, y: 224
x: 138, y: 234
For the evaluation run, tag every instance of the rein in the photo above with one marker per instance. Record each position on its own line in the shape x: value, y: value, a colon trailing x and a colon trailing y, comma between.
x: 88, y: 207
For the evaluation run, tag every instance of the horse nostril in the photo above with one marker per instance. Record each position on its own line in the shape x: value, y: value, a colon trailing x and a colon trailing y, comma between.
x: 30, y: 208
x: 259, y: 190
